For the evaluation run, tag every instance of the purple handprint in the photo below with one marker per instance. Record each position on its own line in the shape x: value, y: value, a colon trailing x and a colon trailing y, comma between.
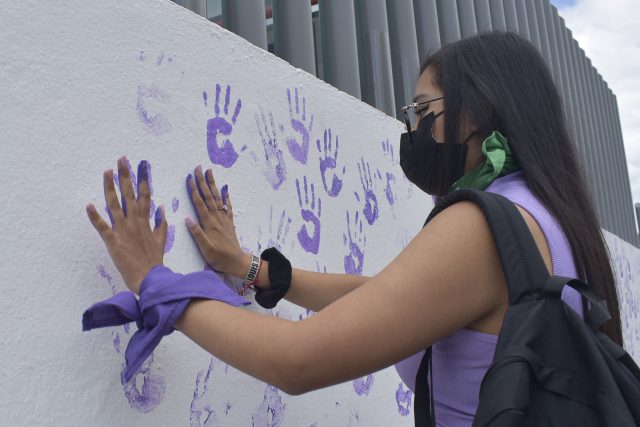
x: 363, y: 385
x: 277, y: 236
x: 271, y: 412
x: 222, y: 152
x: 387, y: 149
x: 355, y: 241
x: 299, y: 144
x: 149, y: 394
x: 309, y: 242
x: 202, y: 412
x: 276, y: 171
x: 149, y: 95
x: 328, y: 161
x: 370, y: 200
x: 403, y: 399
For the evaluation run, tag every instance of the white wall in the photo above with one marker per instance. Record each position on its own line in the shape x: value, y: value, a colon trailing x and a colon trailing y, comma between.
x: 82, y: 83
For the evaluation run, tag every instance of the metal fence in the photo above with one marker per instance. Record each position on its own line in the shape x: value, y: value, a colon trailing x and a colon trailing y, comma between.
x: 371, y: 49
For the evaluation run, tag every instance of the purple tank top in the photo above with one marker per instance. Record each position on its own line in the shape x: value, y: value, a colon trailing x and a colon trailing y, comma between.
x: 461, y: 360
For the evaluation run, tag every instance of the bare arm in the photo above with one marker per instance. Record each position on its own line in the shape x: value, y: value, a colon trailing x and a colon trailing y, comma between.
x: 422, y: 296
x: 309, y: 289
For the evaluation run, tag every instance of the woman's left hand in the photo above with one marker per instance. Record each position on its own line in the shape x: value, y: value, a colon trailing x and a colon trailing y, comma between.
x: 134, y: 247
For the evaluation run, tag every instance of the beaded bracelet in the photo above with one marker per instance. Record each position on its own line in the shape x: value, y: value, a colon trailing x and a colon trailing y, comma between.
x: 279, y: 276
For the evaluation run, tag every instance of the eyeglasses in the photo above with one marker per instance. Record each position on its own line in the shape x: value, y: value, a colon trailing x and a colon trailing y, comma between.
x: 411, y: 120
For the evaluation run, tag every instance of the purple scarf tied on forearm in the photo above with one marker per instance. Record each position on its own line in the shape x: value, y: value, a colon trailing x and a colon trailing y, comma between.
x: 163, y: 297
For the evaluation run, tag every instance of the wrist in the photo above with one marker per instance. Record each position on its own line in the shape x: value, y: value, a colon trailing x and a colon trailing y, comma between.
x: 240, y: 265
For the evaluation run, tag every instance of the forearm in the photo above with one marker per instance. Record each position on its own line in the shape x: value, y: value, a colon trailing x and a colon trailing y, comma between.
x: 314, y: 291
x: 259, y: 345
x: 309, y: 289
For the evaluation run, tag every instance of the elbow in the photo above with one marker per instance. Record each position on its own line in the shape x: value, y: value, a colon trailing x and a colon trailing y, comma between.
x: 293, y: 378
x: 295, y: 372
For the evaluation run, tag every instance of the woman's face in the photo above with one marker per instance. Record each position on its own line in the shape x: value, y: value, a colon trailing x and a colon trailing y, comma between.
x: 426, y: 89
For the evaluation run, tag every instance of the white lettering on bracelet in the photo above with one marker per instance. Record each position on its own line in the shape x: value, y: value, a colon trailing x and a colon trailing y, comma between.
x: 253, y: 270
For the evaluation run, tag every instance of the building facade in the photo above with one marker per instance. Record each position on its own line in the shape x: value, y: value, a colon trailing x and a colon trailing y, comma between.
x: 372, y: 49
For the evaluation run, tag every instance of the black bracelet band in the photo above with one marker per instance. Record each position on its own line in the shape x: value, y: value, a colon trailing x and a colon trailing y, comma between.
x: 279, y: 276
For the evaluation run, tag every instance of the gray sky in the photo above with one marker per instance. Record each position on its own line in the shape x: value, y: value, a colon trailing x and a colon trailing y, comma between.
x: 609, y: 33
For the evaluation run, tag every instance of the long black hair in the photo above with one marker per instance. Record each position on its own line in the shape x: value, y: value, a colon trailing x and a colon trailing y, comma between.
x: 502, y: 83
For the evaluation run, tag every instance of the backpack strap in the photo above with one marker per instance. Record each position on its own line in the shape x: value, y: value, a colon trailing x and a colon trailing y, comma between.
x: 523, y: 266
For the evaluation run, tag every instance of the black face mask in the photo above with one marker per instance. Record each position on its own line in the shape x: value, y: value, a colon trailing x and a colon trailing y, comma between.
x: 430, y: 165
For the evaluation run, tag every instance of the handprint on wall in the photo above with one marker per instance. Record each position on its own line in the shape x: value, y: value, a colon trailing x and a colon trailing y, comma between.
x: 363, y: 385
x: 277, y: 236
x: 145, y: 390
x: 355, y: 241
x: 219, y: 129
x: 310, y: 210
x: 328, y: 164
x: 403, y: 399
x: 370, y: 209
x: 387, y: 150
x: 276, y: 171
x: 202, y: 413
x: 298, y: 143
x: 271, y: 412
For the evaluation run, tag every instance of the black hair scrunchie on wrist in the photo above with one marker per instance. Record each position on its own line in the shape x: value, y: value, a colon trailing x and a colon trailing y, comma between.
x: 279, y: 277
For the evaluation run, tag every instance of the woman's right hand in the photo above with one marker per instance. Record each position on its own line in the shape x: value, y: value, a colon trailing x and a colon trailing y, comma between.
x: 215, y: 233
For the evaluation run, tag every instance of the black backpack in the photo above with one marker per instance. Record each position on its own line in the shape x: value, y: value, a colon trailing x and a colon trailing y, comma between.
x: 551, y: 367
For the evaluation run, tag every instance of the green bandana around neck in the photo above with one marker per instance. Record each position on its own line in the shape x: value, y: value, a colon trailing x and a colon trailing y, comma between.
x: 498, y: 162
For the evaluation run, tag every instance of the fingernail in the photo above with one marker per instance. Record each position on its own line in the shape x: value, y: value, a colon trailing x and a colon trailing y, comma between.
x: 143, y: 171
x: 190, y: 222
x: 157, y: 217
x: 223, y: 193
x: 199, y: 169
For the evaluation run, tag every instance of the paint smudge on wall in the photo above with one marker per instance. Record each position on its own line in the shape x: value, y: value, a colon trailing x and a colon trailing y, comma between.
x: 328, y: 164
x: 355, y: 241
x: 150, y: 99
x: 271, y: 412
x: 370, y: 208
x: 363, y: 385
x: 276, y: 171
x: 171, y: 235
x: 310, y: 212
x: 301, y: 125
x: 175, y: 204
x: 219, y: 128
x: 403, y: 399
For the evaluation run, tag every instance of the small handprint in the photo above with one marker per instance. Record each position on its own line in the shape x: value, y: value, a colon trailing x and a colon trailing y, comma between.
x: 363, y: 385
x: 355, y: 241
x: 328, y: 163
x: 202, y: 412
x: 219, y: 128
x: 271, y: 412
x: 145, y: 396
x: 276, y: 170
x: 403, y: 399
x: 370, y: 209
x: 298, y: 144
x: 277, y: 236
x: 387, y: 150
x: 310, y: 211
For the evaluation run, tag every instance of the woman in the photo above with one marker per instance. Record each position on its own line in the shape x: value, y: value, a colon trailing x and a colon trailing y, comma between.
x: 483, y: 98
